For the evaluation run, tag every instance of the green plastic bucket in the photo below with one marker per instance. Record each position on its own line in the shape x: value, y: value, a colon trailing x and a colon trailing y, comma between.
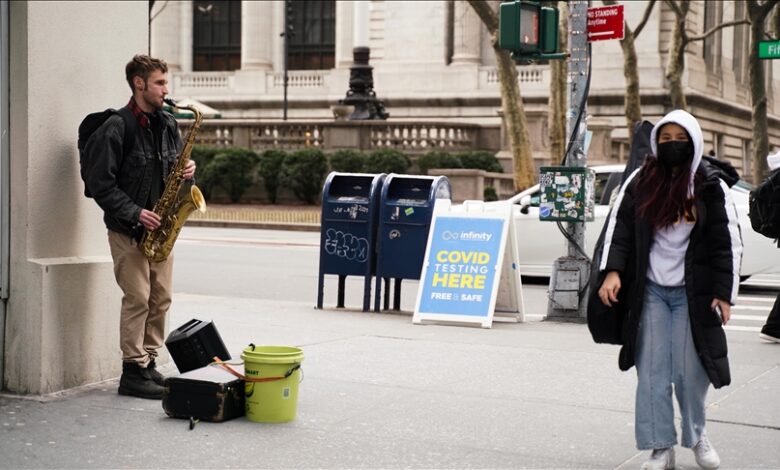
x: 272, y: 377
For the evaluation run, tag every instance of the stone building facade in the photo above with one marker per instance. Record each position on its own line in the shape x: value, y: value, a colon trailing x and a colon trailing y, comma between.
x: 433, y: 61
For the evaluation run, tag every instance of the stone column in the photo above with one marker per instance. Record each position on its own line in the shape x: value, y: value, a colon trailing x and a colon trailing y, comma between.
x: 185, y: 35
x: 62, y: 327
x: 467, y: 32
x: 165, y: 34
x: 344, y: 34
x: 277, y: 41
x: 256, y: 29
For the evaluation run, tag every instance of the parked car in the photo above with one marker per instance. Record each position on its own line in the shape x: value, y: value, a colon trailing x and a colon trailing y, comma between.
x: 541, y: 243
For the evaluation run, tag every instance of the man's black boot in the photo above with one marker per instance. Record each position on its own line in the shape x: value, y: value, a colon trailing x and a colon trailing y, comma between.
x: 154, y: 374
x: 137, y: 382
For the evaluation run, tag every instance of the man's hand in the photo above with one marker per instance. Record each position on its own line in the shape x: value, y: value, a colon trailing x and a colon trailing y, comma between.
x: 149, y: 219
x: 189, y: 170
x: 609, y: 288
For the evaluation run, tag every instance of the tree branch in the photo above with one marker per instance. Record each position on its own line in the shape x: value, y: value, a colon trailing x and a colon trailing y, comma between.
x: 644, y: 19
x: 675, y: 8
x: 486, y: 14
x: 715, y: 29
x: 158, y: 11
x: 765, y: 8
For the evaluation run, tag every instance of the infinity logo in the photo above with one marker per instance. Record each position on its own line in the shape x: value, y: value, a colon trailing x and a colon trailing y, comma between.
x: 447, y: 235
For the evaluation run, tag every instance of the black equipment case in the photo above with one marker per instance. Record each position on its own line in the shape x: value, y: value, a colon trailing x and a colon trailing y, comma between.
x: 210, y: 394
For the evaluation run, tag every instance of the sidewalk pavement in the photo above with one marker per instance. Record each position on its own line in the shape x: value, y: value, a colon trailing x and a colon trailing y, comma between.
x: 380, y: 392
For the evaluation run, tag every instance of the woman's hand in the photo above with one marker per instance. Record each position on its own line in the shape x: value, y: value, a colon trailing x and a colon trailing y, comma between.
x: 609, y: 289
x: 725, y: 309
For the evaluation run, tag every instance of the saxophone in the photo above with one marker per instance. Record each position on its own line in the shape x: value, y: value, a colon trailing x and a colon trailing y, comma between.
x: 177, y: 202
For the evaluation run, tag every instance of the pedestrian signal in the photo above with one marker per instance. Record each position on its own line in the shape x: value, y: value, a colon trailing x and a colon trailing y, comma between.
x: 529, y: 30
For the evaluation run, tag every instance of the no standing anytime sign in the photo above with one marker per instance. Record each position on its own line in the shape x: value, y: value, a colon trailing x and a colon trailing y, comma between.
x: 605, y: 23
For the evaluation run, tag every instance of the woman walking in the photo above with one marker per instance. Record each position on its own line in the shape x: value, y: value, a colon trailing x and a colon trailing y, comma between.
x: 673, y: 245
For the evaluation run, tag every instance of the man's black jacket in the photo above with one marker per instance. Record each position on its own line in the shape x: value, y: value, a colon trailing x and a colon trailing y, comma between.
x: 121, y: 184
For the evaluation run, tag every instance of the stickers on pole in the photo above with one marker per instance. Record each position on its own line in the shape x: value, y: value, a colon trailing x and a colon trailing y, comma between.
x: 464, y: 259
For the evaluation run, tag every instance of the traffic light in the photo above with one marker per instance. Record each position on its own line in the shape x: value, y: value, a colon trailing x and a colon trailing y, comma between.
x: 529, y: 30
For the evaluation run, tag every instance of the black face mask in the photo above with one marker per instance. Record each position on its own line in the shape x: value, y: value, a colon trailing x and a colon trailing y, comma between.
x: 675, y: 152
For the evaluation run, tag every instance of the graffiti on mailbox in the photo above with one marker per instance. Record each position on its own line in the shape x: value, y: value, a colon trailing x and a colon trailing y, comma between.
x: 346, y: 245
x: 352, y: 210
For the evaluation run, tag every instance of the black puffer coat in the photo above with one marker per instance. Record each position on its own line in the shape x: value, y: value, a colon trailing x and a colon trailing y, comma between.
x: 711, y: 264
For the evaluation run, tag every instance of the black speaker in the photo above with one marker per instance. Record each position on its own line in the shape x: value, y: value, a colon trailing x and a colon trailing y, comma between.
x: 195, y: 344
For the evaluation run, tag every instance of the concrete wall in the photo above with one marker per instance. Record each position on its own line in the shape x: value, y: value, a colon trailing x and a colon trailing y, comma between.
x: 66, y: 60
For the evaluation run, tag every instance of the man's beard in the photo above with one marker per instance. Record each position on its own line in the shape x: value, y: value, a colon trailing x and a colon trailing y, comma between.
x: 149, y: 101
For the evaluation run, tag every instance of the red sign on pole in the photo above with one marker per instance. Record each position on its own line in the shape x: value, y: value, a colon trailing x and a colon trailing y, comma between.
x: 605, y: 23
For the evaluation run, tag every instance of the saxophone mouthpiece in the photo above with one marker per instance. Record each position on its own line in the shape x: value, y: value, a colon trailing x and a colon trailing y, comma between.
x: 170, y: 101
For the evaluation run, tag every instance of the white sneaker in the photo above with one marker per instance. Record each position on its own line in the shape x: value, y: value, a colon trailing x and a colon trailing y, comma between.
x: 660, y: 459
x: 767, y: 337
x: 705, y: 454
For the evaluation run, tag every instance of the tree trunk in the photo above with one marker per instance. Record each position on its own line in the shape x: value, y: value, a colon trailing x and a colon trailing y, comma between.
x: 516, y: 122
x: 511, y: 100
x: 758, y: 97
x: 632, y: 103
x: 676, y: 63
x: 776, y: 23
x: 556, y: 120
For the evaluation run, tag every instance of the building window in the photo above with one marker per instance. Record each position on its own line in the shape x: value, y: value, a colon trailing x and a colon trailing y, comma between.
x: 216, y: 43
x: 713, y: 16
x: 313, y: 42
x: 741, y: 41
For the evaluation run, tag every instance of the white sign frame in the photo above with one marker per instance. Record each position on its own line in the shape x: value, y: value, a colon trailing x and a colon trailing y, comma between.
x: 476, y: 210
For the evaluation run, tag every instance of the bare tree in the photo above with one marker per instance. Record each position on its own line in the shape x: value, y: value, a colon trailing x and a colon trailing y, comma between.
x: 511, y: 99
x: 632, y: 102
x: 757, y: 14
x: 556, y: 118
x: 675, y: 66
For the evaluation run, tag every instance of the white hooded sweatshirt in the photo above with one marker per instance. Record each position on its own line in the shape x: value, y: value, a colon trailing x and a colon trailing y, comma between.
x: 666, y: 266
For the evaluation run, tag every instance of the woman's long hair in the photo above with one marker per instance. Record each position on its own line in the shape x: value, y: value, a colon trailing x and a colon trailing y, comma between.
x: 663, y: 196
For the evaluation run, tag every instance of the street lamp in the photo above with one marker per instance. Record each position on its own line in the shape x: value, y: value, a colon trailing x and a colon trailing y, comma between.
x: 361, y: 93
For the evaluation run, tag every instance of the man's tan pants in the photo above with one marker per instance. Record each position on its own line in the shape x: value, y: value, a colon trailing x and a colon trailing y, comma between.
x: 147, y: 289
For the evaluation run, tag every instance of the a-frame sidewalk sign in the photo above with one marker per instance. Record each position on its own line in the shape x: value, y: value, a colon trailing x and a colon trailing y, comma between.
x: 471, y: 270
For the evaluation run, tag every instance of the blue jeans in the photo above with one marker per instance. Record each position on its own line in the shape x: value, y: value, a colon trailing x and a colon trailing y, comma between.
x: 666, y: 356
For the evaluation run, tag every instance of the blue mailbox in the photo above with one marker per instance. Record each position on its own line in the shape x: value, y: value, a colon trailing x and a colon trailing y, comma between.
x: 348, y: 225
x: 405, y: 214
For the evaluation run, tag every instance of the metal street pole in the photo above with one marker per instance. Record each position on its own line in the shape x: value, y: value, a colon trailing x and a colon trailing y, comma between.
x: 286, y: 34
x: 569, y: 280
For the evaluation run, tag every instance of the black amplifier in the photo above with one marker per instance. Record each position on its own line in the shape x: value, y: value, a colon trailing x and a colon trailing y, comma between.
x: 194, y: 345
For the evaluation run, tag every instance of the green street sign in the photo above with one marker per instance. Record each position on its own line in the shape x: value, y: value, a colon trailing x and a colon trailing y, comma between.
x: 769, y: 50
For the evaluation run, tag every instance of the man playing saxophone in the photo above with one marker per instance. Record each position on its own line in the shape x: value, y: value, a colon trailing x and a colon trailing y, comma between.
x: 127, y: 186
